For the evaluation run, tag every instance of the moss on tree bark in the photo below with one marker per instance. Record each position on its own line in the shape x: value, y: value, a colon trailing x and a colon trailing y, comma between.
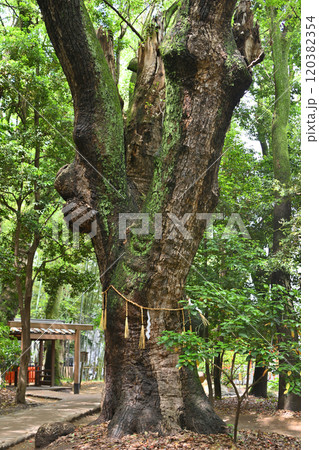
x: 282, y: 173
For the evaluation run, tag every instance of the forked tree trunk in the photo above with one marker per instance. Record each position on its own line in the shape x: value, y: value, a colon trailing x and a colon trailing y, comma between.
x: 171, y: 167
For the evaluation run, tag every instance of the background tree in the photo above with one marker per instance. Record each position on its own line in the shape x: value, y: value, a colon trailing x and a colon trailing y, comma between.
x: 29, y: 154
x: 276, y: 95
x: 281, y: 33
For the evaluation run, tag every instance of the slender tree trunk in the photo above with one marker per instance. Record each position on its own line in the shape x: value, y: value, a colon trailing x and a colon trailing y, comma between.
x: 259, y: 389
x: 282, y: 172
x: 238, y: 407
x: 24, y: 266
x: 248, y: 376
x: 171, y: 169
x: 24, y: 282
x: 25, y: 308
x: 209, y: 381
x: 208, y: 366
x: 218, y: 362
x: 233, y: 365
x: 25, y: 356
x: 25, y: 318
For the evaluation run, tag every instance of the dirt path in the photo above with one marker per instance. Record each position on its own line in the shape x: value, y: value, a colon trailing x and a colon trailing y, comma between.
x: 87, y: 388
x: 23, y: 424
x: 256, y: 415
x: 288, y: 426
x: 248, y: 421
x: 29, y: 444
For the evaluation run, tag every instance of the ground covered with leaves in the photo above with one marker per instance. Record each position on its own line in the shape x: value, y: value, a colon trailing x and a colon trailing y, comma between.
x: 255, y: 405
x: 8, y: 404
x: 7, y: 399
x: 95, y: 436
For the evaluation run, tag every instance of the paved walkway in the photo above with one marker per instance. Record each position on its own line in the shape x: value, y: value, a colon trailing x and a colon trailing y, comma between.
x: 18, y: 426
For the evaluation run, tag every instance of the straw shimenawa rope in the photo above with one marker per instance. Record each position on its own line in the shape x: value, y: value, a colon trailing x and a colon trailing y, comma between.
x: 126, y: 329
x: 136, y: 304
x: 128, y: 300
x: 141, y: 344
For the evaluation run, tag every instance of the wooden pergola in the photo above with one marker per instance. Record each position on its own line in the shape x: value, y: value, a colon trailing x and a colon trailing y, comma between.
x: 51, y: 330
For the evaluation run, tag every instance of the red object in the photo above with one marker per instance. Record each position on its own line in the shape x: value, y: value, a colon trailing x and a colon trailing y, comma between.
x: 31, y: 375
x: 10, y: 376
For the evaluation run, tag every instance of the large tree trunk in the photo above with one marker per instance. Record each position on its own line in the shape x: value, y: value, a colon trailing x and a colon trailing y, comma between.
x: 171, y: 168
x: 282, y: 209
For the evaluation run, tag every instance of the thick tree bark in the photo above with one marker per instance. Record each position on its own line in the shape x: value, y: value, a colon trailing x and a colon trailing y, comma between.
x: 145, y: 116
x: 282, y: 173
x: 171, y: 168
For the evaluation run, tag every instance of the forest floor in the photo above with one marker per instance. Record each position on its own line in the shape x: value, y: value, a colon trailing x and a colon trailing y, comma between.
x: 9, y: 406
x: 260, y: 415
x: 260, y: 426
x: 21, y: 424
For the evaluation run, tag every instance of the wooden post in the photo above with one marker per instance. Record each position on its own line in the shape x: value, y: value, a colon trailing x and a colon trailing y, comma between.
x: 39, y: 368
x: 41, y: 355
x: 52, y: 362
x: 76, y: 385
x: 247, y: 376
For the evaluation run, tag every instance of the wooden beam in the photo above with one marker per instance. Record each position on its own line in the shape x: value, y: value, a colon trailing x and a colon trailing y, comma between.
x: 53, y: 326
x: 49, y: 337
x: 52, y: 362
x: 54, y: 337
x: 76, y: 386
